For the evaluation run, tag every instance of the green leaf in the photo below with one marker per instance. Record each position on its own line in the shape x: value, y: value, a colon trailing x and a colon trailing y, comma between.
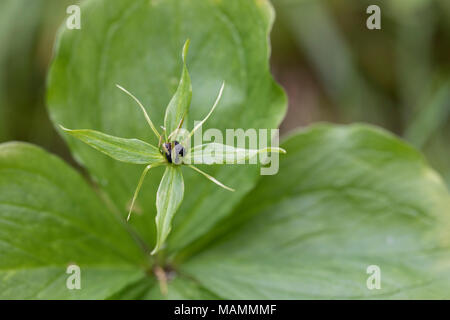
x: 345, y: 198
x: 179, y: 104
x: 121, y: 43
x: 168, y: 199
x: 50, y: 218
x: 217, y: 153
x: 125, y: 150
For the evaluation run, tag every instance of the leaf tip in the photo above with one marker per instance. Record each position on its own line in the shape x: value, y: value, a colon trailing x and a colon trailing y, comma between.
x: 221, y: 89
x: 185, y: 49
x: 155, y: 250
x: 64, y: 128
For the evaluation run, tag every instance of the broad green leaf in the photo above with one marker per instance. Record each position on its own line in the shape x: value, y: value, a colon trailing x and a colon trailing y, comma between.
x: 168, y: 199
x: 179, y: 104
x: 121, y: 43
x: 125, y: 150
x: 345, y: 198
x: 50, y: 218
x: 217, y: 153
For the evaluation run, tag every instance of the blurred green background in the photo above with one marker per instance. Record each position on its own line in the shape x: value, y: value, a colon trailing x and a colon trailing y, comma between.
x: 332, y: 67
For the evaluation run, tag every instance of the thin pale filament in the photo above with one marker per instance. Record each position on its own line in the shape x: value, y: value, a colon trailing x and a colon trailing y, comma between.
x: 219, y: 96
x: 150, y: 123
x: 211, y: 178
x: 138, y: 188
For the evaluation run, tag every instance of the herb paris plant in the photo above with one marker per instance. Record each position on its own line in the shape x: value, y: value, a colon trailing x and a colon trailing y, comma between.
x: 346, y: 197
x: 170, y: 152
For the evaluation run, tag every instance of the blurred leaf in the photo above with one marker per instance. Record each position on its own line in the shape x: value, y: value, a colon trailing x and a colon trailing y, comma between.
x: 438, y: 151
x: 126, y: 150
x: 345, y: 198
x: 122, y: 42
x: 429, y: 128
x: 27, y: 30
x: 415, y: 22
x: 14, y: 41
x: 357, y: 100
x: 50, y: 218
x: 432, y: 117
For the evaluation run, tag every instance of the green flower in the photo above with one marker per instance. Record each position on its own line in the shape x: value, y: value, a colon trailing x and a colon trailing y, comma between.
x: 170, y: 152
